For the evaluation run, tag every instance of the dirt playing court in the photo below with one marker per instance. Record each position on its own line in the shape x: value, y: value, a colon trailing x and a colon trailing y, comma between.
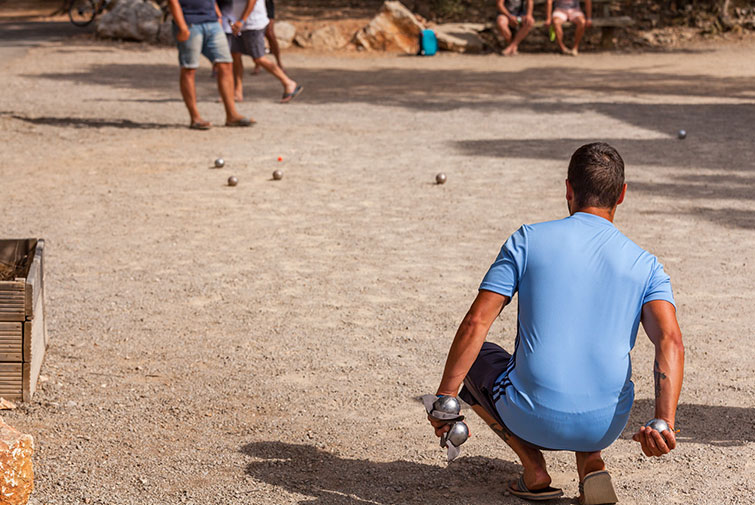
x: 267, y: 343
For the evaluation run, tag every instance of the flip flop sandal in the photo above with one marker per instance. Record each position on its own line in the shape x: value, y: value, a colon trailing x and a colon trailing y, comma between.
x: 546, y: 493
x: 597, y: 489
x: 287, y: 97
x: 241, y: 122
x: 200, y: 125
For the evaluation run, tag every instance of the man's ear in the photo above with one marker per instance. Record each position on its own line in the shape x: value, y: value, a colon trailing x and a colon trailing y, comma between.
x: 570, y: 191
x: 623, y: 194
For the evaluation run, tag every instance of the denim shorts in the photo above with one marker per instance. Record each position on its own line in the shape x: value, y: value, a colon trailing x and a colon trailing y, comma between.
x: 207, y: 39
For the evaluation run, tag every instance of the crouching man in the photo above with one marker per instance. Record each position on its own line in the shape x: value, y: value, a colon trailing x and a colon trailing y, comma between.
x: 584, y: 288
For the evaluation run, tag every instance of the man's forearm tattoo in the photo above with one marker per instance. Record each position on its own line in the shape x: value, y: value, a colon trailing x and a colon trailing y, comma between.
x: 659, y: 376
x: 498, y: 429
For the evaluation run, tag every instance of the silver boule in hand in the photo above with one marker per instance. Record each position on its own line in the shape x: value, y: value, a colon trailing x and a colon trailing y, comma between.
x: 458, y: 434
x: 448, y: 410
x: 658, y: 425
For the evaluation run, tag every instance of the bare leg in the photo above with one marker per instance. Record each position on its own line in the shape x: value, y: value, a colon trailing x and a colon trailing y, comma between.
x: 238, y: 77
x: 535, y: 474
x: 289, y: 85
x: 519, y: 37
x: 503, y: 26
x: 225, y: 87
x: 272, y: 40
x: 588, y: 462
x: 559, y: 29
x: 189, y: 93
x: 580, y: 24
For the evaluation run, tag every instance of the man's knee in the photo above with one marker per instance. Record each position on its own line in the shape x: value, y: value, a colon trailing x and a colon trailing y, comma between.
x: 579, y: 22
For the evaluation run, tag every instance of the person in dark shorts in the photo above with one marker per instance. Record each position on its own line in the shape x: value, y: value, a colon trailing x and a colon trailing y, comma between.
x: 197, y: 31
x: 514, y: 14
x: 583, y: 289
x: 245, y: 22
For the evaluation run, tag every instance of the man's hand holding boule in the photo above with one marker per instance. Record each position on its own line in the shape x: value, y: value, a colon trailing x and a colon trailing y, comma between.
x: 655, y: 443
x: 440, y: 427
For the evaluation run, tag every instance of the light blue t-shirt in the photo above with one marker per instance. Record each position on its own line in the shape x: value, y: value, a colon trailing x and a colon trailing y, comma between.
x: 581, y: 285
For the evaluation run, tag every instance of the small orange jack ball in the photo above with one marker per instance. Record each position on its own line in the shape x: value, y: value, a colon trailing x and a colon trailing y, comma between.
x: 280, y: 158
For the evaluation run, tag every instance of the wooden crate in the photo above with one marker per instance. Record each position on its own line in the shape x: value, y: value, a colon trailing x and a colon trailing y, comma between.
x: 23, y: 334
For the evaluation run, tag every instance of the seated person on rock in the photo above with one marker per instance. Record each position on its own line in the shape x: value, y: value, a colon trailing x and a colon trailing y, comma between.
x: 568, y: 10
x: 514, y: 14
x: 584, y: 288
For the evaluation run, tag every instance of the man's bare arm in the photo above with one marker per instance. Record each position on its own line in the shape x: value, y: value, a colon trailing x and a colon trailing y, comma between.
x: 178, y: 17
x: 239, y: 23
x: 502, y: 9
x: 661, y: 326
x: 530, y: 7
x: 469, y: 339
x: 548, y: 12
x: 588, y: 11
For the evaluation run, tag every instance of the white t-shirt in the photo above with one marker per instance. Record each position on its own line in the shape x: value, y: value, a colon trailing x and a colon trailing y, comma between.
x: 257, y: 20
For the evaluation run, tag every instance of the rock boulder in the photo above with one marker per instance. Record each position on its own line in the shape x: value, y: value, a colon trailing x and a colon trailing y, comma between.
x: 328, y: 38
x: 460, y: 37
x: 285, y: 33
x: 395, y: 28
x: 16, y: 472
x: 131, y: 20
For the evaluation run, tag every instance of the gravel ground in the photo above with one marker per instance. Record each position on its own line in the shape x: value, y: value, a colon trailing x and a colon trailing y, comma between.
x: 267, y: 343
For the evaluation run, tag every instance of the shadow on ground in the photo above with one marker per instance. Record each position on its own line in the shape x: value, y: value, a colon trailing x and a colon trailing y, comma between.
x: 436, y: 89
x: 32, y: 33
x: 702, y: 424
x: 328, y: 479
x: 74, y: 122
x: 719, y: 140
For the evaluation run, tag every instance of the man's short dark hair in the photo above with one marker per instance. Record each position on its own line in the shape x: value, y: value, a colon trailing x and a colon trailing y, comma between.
x: 596, y: 174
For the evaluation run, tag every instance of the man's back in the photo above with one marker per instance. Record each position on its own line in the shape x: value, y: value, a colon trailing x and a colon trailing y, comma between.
x: 581, y: 286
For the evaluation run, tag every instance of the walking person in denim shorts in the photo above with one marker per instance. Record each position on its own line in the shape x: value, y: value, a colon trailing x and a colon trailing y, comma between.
x: 198, y: 31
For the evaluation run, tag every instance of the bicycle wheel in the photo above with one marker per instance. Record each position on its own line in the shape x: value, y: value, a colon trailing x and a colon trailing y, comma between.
x: 82, y: 12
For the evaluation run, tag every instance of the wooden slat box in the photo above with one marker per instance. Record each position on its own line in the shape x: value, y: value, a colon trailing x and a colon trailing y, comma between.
x: 23, y: 334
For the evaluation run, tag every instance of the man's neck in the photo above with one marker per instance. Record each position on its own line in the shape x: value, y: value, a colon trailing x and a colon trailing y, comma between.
x: 598, y: 211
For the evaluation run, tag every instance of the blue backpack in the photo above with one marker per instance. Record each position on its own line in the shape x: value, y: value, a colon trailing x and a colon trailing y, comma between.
x: 428, y: 43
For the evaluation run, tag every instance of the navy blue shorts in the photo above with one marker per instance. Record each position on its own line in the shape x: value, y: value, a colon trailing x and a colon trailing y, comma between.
x: 478, y: 384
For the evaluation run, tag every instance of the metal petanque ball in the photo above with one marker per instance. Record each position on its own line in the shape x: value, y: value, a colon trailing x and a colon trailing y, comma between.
x: 440, y: 178
x: 447, y: 404
x: 232, y: 181
x: 277, y: 175
x: 458, y: 434
x: 219, y: 163
x: 682, y: 134
x: 658, y: 425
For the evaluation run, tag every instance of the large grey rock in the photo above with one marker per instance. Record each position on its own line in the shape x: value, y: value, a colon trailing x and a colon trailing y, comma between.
x: 164, y: 34
x: 131, y: 20
x: 395, y: 28
x: 460, y: 37
x: 285, y: 33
